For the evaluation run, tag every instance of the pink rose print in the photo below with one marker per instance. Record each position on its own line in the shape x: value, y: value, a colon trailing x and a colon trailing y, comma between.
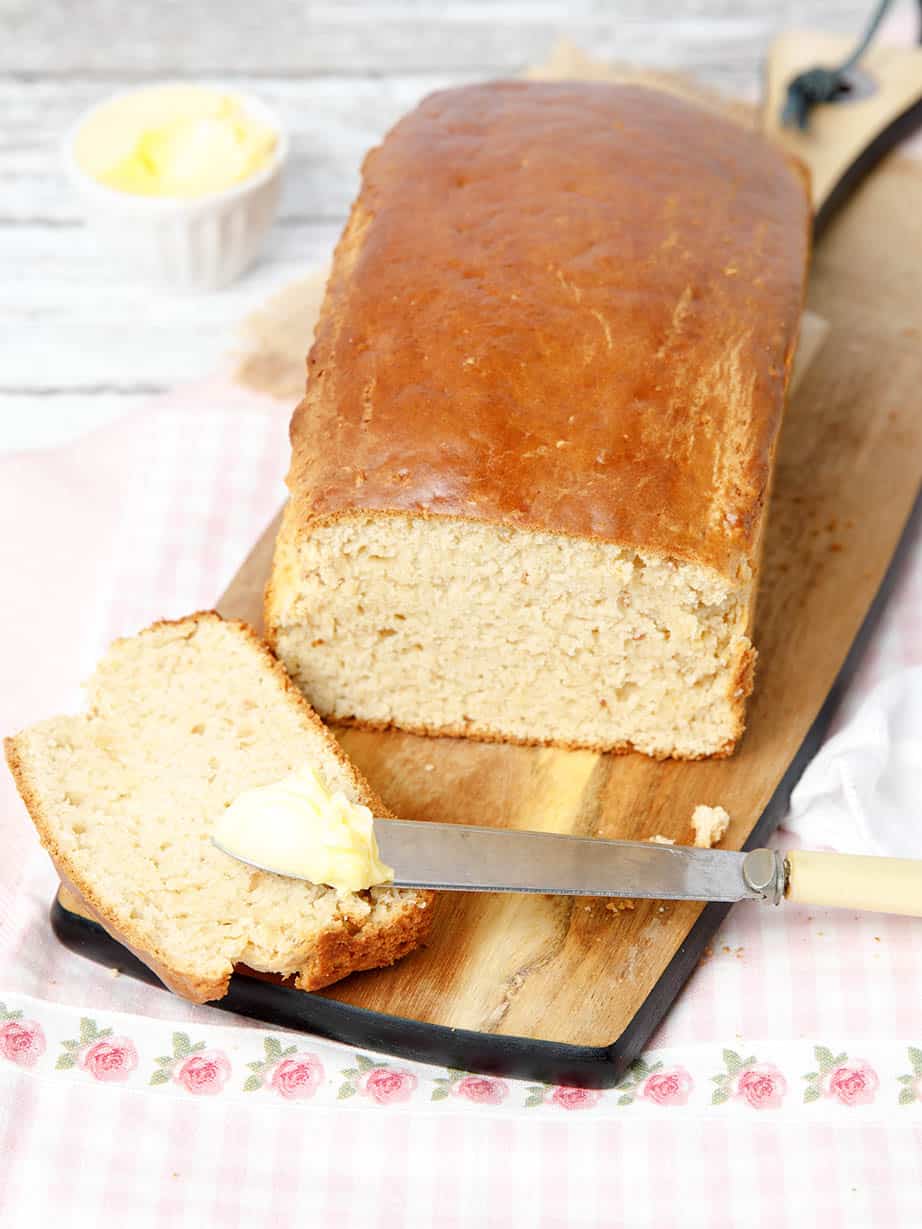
x: 850, y: 1082
x: 573, y: 1098
x: 669, y: 1087
x: 292, y: 1073
x: 201, y: 1072
x: 297, y: 1078
x: 854, y: 1084
x: 387, y: 1085
x: 564, y: 1096
x: 111, y: 1060
x: 97, y: 1051
x: 205, y: 1074
x: 665, y: 1086
x: 380, y: 1082
x: 483, y: 1089
x: 21, y: 1041
x: 761, y: 1085
x: 107, y: 1058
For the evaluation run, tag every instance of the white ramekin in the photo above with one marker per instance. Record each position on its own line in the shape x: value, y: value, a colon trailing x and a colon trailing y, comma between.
x: 198, y: 244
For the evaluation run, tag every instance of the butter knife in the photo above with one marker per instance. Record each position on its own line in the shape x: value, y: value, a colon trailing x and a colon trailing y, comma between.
x: 460, y: 858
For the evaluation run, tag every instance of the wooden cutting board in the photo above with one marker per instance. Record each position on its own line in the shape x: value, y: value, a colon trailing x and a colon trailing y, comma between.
x: 561, y: 975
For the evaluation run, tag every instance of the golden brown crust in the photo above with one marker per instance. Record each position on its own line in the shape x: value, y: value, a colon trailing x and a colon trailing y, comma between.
x: 481, y: 734
x: 340, y: 952
x: 341, y: 949
x: 590, y: 335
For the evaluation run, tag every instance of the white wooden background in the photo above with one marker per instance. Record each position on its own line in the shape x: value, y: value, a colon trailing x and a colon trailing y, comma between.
x: 80, y: 340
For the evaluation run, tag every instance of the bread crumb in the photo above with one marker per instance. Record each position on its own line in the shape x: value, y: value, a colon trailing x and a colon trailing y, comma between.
x: 660, y: 840
x: 710, y: 825
x: 115, y: 972
x: 619, y: 905
x: 430, y: 768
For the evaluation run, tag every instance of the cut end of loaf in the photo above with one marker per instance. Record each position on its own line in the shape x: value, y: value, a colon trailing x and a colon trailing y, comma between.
x: 443, y: 626
x: 180, y: 720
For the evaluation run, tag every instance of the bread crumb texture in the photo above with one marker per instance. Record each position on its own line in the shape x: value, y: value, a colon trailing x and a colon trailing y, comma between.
x: 180, y: 720
x: 709, y: 825
x: 452, y: 627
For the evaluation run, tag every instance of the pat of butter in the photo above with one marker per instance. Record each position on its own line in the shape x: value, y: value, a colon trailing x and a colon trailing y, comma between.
x: 296, y: 826
x: 178, y: 141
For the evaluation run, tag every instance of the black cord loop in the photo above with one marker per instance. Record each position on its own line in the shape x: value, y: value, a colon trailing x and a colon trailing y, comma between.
x: 819, y: 85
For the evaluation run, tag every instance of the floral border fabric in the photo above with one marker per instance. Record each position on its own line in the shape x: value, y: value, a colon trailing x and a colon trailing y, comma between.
x: 783, y: 1079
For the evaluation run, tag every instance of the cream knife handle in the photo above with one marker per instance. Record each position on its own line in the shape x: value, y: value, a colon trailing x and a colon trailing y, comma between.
x: 850, y: 881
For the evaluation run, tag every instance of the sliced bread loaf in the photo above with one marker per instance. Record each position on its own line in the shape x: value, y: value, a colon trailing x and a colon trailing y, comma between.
x: 180, y: 720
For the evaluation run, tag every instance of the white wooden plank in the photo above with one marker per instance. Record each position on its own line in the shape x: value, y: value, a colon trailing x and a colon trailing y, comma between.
x: 296, y: 37
x: 71, y: 325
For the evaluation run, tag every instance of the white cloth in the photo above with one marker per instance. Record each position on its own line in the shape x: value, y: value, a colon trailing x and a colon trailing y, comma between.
x: 862, y: 793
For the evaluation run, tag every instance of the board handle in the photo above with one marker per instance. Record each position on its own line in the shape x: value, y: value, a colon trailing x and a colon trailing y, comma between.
x: 851, y: 881
x: 844, y: 139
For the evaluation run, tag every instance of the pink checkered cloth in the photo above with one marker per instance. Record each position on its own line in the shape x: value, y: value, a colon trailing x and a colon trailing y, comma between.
x: 784, y: 1089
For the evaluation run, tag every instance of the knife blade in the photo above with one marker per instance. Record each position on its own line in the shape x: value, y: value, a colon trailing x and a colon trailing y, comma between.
x: 462, y: 858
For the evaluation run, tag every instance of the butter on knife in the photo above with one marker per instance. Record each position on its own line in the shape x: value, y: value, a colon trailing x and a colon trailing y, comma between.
x: 297, y: 827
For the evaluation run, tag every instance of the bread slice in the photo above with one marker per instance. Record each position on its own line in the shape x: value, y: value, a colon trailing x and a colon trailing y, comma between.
x: 529, y: 475
x: 180, y: 720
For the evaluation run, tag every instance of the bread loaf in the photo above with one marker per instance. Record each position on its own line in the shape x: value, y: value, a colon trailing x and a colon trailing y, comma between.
x: 180, y: 720
x: 528, y: 479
